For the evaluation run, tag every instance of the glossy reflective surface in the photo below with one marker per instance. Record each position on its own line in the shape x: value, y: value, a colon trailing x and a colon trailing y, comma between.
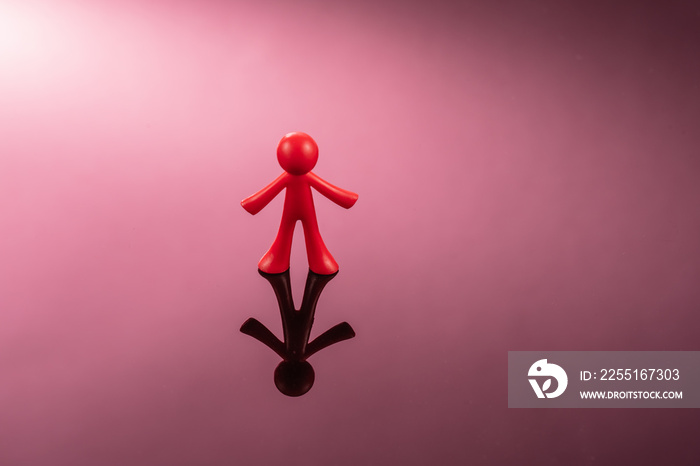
x: 294, y: 376
x: 528, y: 174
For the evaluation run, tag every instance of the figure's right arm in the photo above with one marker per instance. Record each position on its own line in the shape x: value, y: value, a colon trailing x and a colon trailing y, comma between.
x: 259, y: 200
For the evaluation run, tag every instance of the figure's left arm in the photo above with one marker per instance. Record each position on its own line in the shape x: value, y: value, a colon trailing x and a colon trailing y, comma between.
x: 259, y: 200
x: 338, y: 195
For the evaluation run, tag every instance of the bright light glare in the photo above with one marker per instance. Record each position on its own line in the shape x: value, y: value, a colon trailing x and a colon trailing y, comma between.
x: 20, y: 32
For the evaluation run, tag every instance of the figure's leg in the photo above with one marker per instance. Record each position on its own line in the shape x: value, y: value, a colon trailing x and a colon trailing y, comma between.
x: 320, y: 259
x: 276, y: 259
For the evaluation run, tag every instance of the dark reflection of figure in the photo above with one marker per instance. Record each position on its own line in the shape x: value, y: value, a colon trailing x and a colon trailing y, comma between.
x: 294, y: 376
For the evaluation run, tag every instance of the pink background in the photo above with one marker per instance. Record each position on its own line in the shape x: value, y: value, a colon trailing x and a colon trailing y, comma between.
x: 528, y: 180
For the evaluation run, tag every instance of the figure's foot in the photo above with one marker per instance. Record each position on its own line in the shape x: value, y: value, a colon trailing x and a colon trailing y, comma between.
x: 271, y: 264
x: 323, y: 265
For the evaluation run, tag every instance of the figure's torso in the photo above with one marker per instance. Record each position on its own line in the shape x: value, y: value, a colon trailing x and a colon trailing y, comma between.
x: 298, y: 201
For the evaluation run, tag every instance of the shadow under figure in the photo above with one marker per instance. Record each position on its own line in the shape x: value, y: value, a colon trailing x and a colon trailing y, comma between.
x: 294, y: 376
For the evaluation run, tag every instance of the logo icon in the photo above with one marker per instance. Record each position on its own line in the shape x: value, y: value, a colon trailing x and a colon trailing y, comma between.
x: 544, y: 369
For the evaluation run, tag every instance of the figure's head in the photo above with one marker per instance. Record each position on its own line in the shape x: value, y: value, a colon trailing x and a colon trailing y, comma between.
x: 294, y: 378
x: 297, y: 153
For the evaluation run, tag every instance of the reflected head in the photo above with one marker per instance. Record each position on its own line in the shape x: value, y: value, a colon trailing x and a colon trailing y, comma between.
x: 294, y: 378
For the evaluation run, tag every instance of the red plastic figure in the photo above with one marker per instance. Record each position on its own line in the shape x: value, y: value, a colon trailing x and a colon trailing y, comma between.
x: 297, y: 153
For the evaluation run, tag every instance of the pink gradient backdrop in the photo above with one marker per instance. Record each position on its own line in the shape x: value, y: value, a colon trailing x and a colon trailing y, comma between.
x: 528, y: 180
